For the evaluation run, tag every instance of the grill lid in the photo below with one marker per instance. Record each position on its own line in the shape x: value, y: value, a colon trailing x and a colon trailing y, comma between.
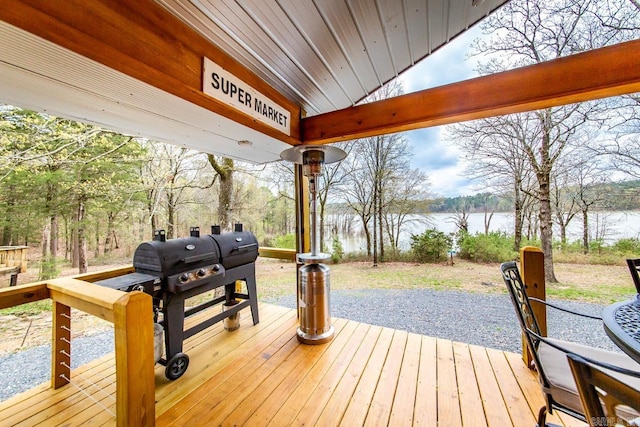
x: 175, y: 255
x: 236, y: 248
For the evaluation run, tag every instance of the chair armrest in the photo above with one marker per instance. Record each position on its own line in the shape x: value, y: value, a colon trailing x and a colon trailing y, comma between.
x: 566, y: 310
x: 604, y: 365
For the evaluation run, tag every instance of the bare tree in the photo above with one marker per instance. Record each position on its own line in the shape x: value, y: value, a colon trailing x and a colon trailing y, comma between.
x: 403, y: 196
x: 524, y: 33
x: 169, y: 177
x: 495, y: 156
x: 563, y: 198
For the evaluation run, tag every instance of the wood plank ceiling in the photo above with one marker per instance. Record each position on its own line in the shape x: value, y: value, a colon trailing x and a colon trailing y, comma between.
x: 67, y: 58
x: 329, y: 54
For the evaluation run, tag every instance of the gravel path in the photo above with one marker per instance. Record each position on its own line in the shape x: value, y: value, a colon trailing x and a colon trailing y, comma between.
x: 483, y: 319
x: 487, y: 320
x: 24, y: 370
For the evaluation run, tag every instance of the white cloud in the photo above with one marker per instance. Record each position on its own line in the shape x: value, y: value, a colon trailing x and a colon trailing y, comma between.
x: 440, y: 159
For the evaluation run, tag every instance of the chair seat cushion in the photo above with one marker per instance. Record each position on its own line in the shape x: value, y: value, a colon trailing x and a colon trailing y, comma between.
x: 563, y: 388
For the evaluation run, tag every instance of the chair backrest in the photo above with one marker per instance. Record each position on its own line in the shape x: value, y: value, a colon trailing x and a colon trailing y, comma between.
x: 601, y: 394
x: 634, y: 269
x: 524, y: 312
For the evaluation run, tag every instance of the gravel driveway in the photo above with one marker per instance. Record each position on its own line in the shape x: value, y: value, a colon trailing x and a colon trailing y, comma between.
x: 487, y: 320
x: 483, y: 319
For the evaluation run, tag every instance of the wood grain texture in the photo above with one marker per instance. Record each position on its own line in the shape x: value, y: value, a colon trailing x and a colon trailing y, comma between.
x: 144, y: 41
x: 599, y: 73
x: 261, y: 375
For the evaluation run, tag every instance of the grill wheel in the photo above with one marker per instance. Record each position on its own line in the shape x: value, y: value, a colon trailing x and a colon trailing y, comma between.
x: 176, y: 366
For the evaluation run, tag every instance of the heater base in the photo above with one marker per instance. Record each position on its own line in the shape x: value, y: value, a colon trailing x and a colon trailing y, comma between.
x: 323, y: 338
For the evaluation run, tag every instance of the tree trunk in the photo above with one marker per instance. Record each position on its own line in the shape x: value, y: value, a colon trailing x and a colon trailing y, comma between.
x: 82, y: 239
x: 380, y: 223
x: 563, y: 232
x: 109, y: 239
x: 375, y: 237
x: 170, y: 216
x: 225, y: 199
x: 53, y: 243
x: 487, y: 222
x: 585, y: 231
x: 546, y: 227
x: 46, y: 235
x: 367, y: 235
x: 96, y: 251
x: 224, y: 170
x: 75, y: 255
x: 7, y: 232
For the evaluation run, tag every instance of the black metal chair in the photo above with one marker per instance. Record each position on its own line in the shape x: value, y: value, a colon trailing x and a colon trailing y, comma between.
x: 634, y: 269
x: 607, y: 401
x: 549, y: 354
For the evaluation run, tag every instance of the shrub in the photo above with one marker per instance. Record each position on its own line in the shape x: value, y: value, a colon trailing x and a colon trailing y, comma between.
x: 496, y: 246
x: 338, y: 251
x: 627, y: 246
x: 288, y: 241
x: 431, y: 246
x: 49, y: 269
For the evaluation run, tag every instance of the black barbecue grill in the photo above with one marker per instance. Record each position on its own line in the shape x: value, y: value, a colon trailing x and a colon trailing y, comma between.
x: 177, y: 269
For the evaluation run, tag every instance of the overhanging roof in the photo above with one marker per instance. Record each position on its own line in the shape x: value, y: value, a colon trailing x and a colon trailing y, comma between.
x: 136, y: 66
x: 133, y: 65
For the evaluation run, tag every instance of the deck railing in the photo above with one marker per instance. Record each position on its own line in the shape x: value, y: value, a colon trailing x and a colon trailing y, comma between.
x: 132, y: 317
x: 277, y: 253
x: 532, y: 266
x: 13, y: 260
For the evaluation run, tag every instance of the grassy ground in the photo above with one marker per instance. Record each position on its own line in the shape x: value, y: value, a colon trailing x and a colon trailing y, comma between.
x: 591, y: 283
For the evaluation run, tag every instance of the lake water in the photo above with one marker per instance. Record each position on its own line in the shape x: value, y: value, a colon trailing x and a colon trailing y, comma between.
x: 611, y: 226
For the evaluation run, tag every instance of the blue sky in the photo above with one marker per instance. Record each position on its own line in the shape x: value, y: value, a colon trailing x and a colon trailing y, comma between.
x: 431, y: 154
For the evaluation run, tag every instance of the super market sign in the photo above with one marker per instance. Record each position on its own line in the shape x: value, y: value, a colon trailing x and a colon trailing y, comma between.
x: 227, y: 88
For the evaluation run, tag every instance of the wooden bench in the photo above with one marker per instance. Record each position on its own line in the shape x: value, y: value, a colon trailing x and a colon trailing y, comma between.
x: 13, y: 260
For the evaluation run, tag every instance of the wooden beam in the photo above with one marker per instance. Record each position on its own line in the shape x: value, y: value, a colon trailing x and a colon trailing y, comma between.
x: 595, y: 74
x: 144, y: 41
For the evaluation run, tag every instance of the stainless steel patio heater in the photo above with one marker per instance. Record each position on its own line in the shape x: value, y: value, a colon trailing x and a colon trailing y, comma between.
x: 313, y: 277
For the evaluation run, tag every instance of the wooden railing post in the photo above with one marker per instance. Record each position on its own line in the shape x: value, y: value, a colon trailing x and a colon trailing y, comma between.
x: 135, y: 380
x: 60, y: 345
x: 532, y: 267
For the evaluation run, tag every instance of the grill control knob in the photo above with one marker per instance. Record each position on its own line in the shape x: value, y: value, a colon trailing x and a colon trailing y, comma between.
x: 216, y: 268
x: 184, y: 278
x: 201, y: 272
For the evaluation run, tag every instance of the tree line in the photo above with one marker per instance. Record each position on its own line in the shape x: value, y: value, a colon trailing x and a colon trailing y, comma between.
x: 76, y: 190
x: 616, y: 196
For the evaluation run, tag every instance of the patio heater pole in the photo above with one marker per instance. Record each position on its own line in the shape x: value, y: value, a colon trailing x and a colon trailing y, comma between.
x: 313, y: 277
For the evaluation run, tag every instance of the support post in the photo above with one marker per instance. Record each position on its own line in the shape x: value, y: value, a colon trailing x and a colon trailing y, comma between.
x: 60, y: 345
x: 303, y: 235
x: 303, y: 227
x: 532, y: 267
x: 135, y: 381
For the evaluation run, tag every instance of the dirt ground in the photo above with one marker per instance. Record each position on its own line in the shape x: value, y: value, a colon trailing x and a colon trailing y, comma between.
x: 275, y: 278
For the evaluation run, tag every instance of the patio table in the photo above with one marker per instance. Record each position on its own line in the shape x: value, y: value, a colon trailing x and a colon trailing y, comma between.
x: 622, y: 324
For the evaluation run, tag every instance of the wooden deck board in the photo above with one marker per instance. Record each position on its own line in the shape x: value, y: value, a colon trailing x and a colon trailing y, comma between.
x: 261, y: 375
x: 405, y: 398
x: 494, y: 406
x: 471, y: 408
x: 448, y: 399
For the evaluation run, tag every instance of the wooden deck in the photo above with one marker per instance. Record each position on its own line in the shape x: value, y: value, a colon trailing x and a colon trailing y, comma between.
x: 260, y: 375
